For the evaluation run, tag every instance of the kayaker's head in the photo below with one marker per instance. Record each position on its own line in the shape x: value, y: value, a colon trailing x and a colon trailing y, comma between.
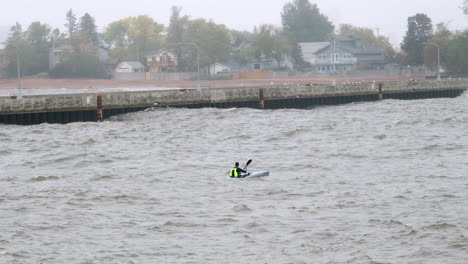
x: 237, y: 164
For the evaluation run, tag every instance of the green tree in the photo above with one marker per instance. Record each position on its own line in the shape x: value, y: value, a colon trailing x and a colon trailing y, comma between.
x: 457, y: 62
x: 442, y: 38
x: 271, y: 43
x: 16, y: 32
x: 213, y: 40
x: 79, y: 65
x: 116, y: 34
x: 39, y: 34
x: 242, y: 51
x: 304, y: 22
x: 33, y: 45
x: 39, y: 37
x: 146, y: 34
x: 71, y: 24
x: 175, y: 34
x: 465, y: 7
x: 132, y: 36
x: 88, y: 29
x: 58, y: 37
x: 419, y: 31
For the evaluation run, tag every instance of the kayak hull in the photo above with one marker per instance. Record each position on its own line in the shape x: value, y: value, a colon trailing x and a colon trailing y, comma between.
x: 255, y: 175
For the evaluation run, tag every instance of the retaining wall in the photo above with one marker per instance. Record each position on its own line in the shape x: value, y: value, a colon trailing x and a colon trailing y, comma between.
x: 93, y: 107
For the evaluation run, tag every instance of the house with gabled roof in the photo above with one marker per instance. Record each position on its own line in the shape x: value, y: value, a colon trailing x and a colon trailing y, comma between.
x: 130, y: 66
x: 163, y: 60
x: 342, y: 53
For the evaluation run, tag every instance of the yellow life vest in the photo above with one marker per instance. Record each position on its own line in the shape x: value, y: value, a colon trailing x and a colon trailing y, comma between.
x: 234, y: 173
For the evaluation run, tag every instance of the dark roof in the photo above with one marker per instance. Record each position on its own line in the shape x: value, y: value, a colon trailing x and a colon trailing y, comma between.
x: 352, y: 44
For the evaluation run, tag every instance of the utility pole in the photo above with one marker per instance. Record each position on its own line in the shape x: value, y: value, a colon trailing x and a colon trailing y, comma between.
x: 438, y: 58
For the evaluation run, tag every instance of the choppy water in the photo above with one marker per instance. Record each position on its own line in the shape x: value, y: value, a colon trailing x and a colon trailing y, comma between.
x: 379, y: 182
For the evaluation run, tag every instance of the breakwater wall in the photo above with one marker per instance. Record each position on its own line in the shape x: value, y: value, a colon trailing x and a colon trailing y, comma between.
x: 66, y: 108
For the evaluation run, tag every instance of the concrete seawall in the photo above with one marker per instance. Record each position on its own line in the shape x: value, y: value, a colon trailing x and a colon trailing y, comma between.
x: 65, y: 108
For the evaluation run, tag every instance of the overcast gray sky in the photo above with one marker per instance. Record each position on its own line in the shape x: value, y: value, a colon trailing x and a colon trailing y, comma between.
x: 390, y: 16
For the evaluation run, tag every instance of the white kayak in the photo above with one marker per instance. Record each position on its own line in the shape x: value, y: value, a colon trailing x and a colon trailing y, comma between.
x: 254, y: 174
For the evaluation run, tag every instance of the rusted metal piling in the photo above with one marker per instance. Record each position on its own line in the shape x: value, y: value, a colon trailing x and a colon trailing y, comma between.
x: 100, y: 113
x: 62, y: 109
x: 261, y: 99
x: 381, y: 91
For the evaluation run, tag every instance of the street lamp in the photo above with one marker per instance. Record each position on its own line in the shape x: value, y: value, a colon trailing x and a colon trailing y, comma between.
x: 438, y: 58
x: 20, y: 94
x: 198, y: 59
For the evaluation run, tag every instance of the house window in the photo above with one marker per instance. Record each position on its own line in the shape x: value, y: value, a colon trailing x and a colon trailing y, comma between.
x: 165, y: 58
x: 336, y: 57
x: 257, y: 66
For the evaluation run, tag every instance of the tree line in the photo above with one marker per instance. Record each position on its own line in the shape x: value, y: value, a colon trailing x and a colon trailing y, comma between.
x: 132, y: 38
x: 423, y: 41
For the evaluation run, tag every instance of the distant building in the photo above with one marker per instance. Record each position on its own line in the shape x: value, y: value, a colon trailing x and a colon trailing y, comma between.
x: 55, y: 57
x: 342, y: 53
x: 130, y: 66
x: 264, y: 63
x: 261, y: 63
x: 217, y: 68
x: 162, y: 61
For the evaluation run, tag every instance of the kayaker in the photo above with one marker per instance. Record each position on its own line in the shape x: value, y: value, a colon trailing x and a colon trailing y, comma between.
x: 236, y: 171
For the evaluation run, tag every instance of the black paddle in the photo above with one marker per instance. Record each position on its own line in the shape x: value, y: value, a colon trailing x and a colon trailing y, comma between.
x: 247, y: 164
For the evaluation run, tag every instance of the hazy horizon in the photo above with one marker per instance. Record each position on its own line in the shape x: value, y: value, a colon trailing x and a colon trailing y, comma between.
x: 389, y: 18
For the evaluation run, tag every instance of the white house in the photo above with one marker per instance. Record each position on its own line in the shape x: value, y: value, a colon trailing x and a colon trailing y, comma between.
x: 130, y: 66
x: 216, y: 68
x: 342, y: 53
x: 55, y: 57
x: 162, y: 61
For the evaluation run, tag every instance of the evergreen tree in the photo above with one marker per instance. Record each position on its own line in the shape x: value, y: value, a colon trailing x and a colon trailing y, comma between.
x: 419, y: 31
x: 16, y: 32
x: 175, y: 33
x: 457, y: 54
x: 71, y: 24
x: 39, y: 34
x: 88, y: 29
